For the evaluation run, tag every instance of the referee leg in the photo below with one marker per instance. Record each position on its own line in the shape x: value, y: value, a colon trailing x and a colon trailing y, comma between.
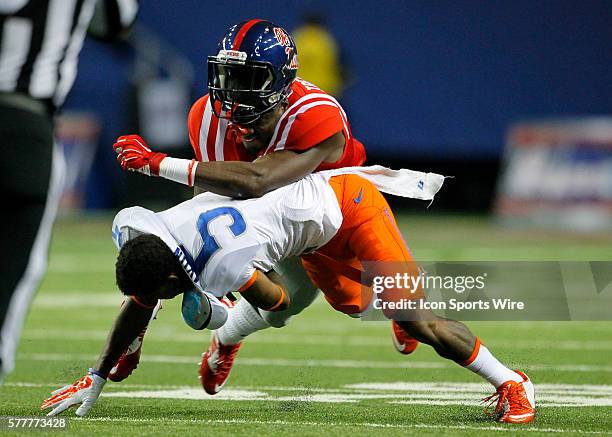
x: 31, y: 174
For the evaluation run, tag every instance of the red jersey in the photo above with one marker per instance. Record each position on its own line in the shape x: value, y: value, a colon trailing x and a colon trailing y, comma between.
x: 311, y: 117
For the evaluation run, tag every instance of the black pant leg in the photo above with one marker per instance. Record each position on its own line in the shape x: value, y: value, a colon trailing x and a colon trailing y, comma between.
x: 26, y: 166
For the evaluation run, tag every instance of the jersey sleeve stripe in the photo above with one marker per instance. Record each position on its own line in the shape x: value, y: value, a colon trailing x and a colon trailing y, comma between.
x: 204, y: 129
x: 211, y: 137
x: 284, y: 120
x: 344, y: 117
x: 281, y: 143
x: 194, y: 125
x: 220, y: 140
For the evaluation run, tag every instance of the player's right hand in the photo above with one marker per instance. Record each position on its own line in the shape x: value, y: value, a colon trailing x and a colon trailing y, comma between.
x: 85, y: 391
x: 133, y: 154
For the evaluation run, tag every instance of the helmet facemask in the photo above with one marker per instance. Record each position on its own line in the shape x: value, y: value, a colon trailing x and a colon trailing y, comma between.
x: 240, y: 90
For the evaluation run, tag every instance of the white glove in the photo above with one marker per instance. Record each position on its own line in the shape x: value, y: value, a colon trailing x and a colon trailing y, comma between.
x: 85, y: 391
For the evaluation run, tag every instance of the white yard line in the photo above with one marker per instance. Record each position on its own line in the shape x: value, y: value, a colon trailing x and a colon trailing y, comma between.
x: 68, y: 263
x: 176, y: 336
x: 296, y: 362
x: 500, y: 428
x: 79, y: 299
x: 181, y: 359
x: 433, y: 396
x: 403, y: 392
x: 381, y: 387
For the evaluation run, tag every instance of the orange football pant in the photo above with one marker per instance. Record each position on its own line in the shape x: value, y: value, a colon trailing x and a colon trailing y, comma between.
x: 368, y: 240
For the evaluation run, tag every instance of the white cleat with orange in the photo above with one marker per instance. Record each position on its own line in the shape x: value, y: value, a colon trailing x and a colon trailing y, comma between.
x: 515, y: 401
x: 217, y: 364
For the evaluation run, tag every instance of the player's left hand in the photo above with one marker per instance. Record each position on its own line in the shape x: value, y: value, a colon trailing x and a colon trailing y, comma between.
x: 133, y: 154
x: 85, y: 391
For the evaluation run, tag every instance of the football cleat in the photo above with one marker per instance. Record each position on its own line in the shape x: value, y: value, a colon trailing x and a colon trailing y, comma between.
x: 128, y: 361
x: 217, y: 364
x: 515, y: 401
x: 403, y: 343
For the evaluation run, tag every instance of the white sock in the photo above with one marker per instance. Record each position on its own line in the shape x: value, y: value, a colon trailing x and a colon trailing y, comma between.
x: 484, y: 364
x: 242, y: 321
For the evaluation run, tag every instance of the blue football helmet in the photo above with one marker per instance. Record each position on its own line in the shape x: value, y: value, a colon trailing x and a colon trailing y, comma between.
x: 252, y: 71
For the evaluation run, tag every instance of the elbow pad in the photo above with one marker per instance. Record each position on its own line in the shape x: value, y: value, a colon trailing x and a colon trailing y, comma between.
x: 202, y: 310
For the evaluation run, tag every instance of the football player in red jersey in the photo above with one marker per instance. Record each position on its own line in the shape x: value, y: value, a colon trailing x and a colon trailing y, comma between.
x: 260, y: 127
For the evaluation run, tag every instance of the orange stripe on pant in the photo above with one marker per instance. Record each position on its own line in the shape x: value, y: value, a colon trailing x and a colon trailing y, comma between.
x: 368, y: 239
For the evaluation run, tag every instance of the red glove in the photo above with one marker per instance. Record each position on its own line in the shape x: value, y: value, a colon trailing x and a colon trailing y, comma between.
x: 133, y: 154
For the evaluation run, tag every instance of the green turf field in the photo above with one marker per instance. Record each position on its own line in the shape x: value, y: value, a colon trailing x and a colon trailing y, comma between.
x: 325, y: 374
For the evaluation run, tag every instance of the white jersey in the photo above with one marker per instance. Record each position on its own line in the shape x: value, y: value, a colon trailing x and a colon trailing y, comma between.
x: 222, y: 241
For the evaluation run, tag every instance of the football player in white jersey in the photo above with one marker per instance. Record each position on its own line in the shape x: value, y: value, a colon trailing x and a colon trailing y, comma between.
x: 205, y: 247
x: 210, y: 245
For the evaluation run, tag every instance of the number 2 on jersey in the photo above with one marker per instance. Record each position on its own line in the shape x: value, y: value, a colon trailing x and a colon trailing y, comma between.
x: 211, y: 245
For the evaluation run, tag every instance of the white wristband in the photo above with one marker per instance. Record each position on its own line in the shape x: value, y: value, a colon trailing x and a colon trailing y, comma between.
x: 179, y: 170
